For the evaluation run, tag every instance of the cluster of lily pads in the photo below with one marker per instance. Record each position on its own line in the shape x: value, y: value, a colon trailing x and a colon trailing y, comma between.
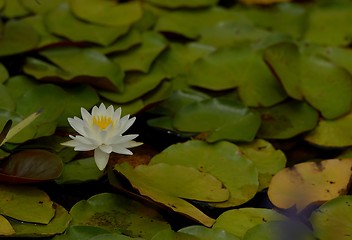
x: 226, y: 80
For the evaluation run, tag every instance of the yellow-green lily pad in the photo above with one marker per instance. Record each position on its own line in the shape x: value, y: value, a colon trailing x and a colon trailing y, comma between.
x: 223, y: 160
x: 4, y: 75
x: 5, y: 227
x: 183, y: 3
x: 205, y: 233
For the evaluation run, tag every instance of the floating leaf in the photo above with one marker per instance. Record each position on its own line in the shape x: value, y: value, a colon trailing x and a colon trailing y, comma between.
x: 237, y: 123
x: 57, y: 225
x: 266, y: 158
x: 4, y: 75
x: 6, y: 100
x: 182, y: 182
x: 332, y: 133
x: 333, y: 219
x: 171, y: 235
x: 205, y: 233
x: 238, y: 221
x: 19, y: 84
x: 62, y: 22
x: 79, y: 171
x: 12, y: 40
x: 237, y: 173
x: 305, y: 76
x: 183, y: 3
x: 107, y: 12
x: 141, y: 57
x: 13, y: 9
x: 40, y: 6
x: 32, y: 166
x: 310, y: 182
x: 25, y: 203
x: 287, y: 120
x: 116, y: 213
x: 5, y: 227
x: 263, y: 2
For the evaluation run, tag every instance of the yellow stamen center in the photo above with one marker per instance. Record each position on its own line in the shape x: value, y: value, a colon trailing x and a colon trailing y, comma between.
x: 102, y: 121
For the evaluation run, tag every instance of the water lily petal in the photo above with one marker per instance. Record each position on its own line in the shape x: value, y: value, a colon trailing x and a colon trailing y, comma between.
x: 101, y: 158
x: 106, y: 148
x: 86, y: 115
x: 131, y: 144
x: 71, y: 143
x: 77, y: 124
x: 119, y: 149
x: 117, y: 115
x: 85, y: 147
x: 122, y: 139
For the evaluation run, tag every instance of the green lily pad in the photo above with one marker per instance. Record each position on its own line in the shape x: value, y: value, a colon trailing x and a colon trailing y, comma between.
x: 168, y: 234
x: 107, y: 12
x: 13, y: 9
x: 18, y: 85
x: 183, y: 3
x: 32, y: 166
x: 5, y: 227
x: 37, y: 23
x: 237, y: 173
x: 57, y: 225
x: 123, y: 43
x: 305, y: 76
x: 287, y: 120
x: 4, y: 75
x: 62, y: 22
x: 279, y: 230
x: 332, y: 133
x: 136, y: 85
x: 237, y: 122
x: 239, y: 221
x: 266, y: 158
x: 25, y: 203
x: 116, y: 213
x: 205, y: 233
x: 168, y: 185
x: 79, y: 171
x: 158, y: 94
x: 7, y: 102
x: 82, y: 233
x: 333, y: 219
x: 141, y: 57
x: 12, y: 40
x: 40, y: 6
x: 78, y: 96
x: 328, y: 25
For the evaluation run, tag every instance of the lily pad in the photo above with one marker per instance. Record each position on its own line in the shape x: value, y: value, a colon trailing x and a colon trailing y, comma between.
x: 237, y: 173
x: 141, y: 57
x: 239, y: 221
x: 25, y: 203
x: 18, y: 85
x: 171, y: 235
x: 13, y: 9
x: 107, y: 12
x: 5, y: 227
x: 305, y: 76
x: 12, y: 40
x: 332, y: 133
x: 287, y: 120
x: 116, y: 213
x: 4, y: 75
x: 333, y: 219
x: 40, y: 6
x: 310, y: 182
x: 169, y: 185
x: 266, y: 158
x: 32, y: 166
x: 62, y: 22
x: 237, y: 122
x: 7, y: 102
x: 57, y: 225
x: 205, y: 233
x: 183, y: 3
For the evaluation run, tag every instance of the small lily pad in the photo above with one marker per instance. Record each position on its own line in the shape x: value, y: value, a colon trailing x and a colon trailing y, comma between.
x: 239, y: 221
x: 25, y: 203
x: 205, y: 233
x: 333, y: 219
x: 4, y: 75
x: 310, y: 182
x: 183, y: 3
x: 237, y: 173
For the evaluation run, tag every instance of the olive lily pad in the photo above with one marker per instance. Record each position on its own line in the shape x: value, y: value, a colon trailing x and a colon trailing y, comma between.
x: 7, y: 102
x: 40, y: 6
x: 332, y: 133
x: 18, y: 85
x: 12, y: 40
x: 13, y: 9
x: 171, y: 235
x: 287, y: 120
x: 226, y: 119
x: 168, y: 185
x: 5, y: 227
x: 333, y: 219
x: 310, y: 182
x: 107, y: 12
x: 239, y: 221
x: 4, y: 75
x: 26, y: 203
x: 237, y: 173
x: 183, y: 3
x: 116, y: 213
x: 205, y: 233
x: 266, y: 158
x: 62, y: 22
x: 141, y: 57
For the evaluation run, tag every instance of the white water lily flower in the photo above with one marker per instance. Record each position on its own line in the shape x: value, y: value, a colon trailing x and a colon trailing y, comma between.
x: 102, y: 132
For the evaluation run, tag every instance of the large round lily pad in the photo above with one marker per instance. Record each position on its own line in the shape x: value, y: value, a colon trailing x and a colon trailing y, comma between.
x: 223, y: 160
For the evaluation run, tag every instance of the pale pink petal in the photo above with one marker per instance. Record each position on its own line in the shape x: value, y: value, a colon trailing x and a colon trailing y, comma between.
x: 101, y: 158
